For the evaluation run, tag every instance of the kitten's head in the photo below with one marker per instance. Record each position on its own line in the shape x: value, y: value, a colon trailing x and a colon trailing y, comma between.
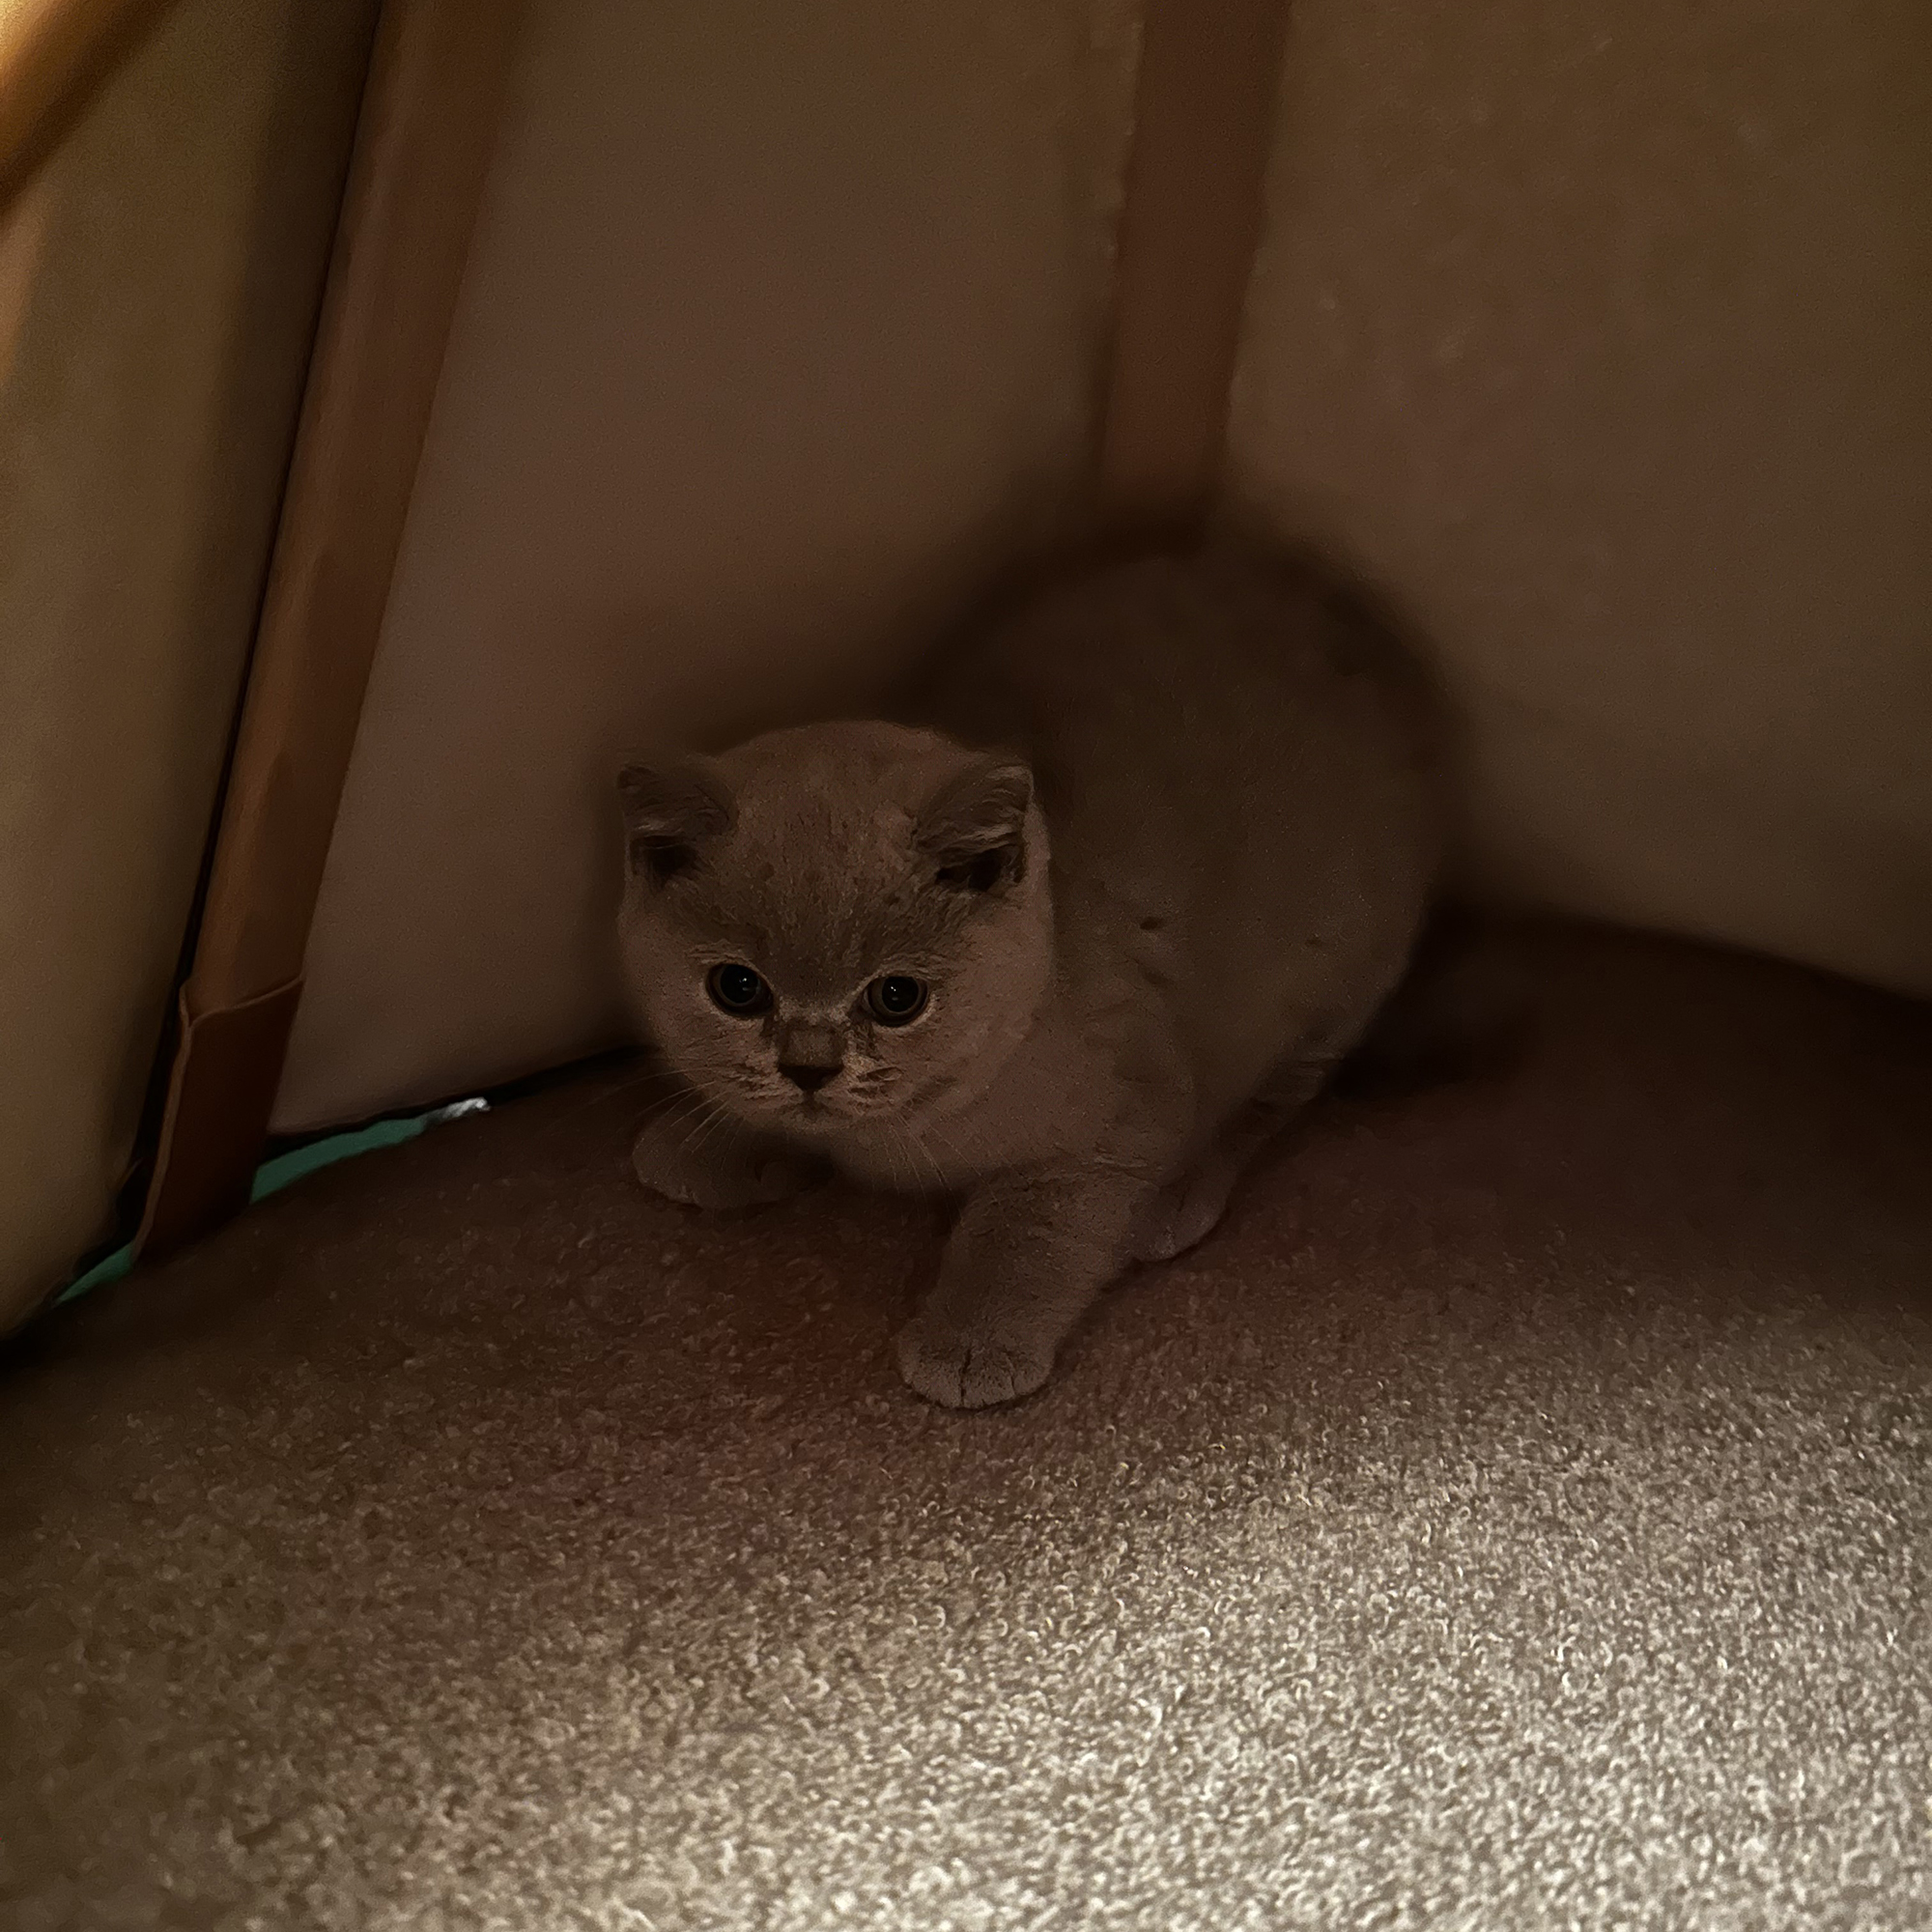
x: 835, y: 925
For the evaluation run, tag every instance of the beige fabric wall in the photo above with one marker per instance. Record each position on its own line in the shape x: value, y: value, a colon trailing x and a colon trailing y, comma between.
x: 1602, y: 332
x: 157, y: 295
x: 776, y: 320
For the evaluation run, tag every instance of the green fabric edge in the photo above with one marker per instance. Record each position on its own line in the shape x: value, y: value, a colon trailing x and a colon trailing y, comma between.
x: 272, y: 1175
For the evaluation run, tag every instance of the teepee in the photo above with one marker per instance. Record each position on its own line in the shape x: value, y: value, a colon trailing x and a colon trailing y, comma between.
x: 399, y: 413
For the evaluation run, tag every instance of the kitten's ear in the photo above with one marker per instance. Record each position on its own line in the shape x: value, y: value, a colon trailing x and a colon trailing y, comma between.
x: 671, y: 806
x: 974, y: 829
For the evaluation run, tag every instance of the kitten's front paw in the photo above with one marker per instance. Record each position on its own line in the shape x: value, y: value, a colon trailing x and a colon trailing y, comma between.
x: 969, y: 1367
x: 720, y: 1184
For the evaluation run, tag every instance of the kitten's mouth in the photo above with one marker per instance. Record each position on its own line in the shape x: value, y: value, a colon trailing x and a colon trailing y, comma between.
x: 816, y: 1109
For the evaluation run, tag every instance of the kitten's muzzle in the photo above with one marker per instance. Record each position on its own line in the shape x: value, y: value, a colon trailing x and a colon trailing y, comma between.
x: 809, y: 1076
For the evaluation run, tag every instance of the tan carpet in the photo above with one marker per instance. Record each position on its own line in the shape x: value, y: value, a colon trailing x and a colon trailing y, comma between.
x: 1519, y: 1516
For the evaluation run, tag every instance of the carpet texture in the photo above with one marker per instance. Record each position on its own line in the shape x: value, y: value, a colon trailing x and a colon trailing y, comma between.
x: 1518, y: 1515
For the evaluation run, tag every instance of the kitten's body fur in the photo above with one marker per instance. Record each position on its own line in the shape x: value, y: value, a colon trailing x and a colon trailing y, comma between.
x: 1153, y: 922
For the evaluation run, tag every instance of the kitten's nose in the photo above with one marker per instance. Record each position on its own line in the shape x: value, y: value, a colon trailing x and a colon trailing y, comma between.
x: 805, y: 1075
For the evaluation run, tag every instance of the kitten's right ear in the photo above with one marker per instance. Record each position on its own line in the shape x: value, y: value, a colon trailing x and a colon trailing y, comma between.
x: 671, y: 806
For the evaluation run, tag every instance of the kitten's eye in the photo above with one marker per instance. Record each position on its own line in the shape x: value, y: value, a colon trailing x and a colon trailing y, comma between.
x: 737, y: 990
x: 896, y: 999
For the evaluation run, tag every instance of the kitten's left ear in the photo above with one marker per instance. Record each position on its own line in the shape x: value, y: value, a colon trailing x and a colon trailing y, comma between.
x: 974, y: 829
x: 671, y: 806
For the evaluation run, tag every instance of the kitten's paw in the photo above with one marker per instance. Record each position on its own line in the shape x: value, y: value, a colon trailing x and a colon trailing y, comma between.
x: 721, y: 1185
x: 969, y: 1367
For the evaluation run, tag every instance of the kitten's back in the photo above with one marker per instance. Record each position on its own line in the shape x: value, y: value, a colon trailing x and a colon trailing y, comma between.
x: 1238, y: 762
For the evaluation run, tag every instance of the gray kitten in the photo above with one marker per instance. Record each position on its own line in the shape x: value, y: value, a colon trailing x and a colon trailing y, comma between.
x: 1072, y: 945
